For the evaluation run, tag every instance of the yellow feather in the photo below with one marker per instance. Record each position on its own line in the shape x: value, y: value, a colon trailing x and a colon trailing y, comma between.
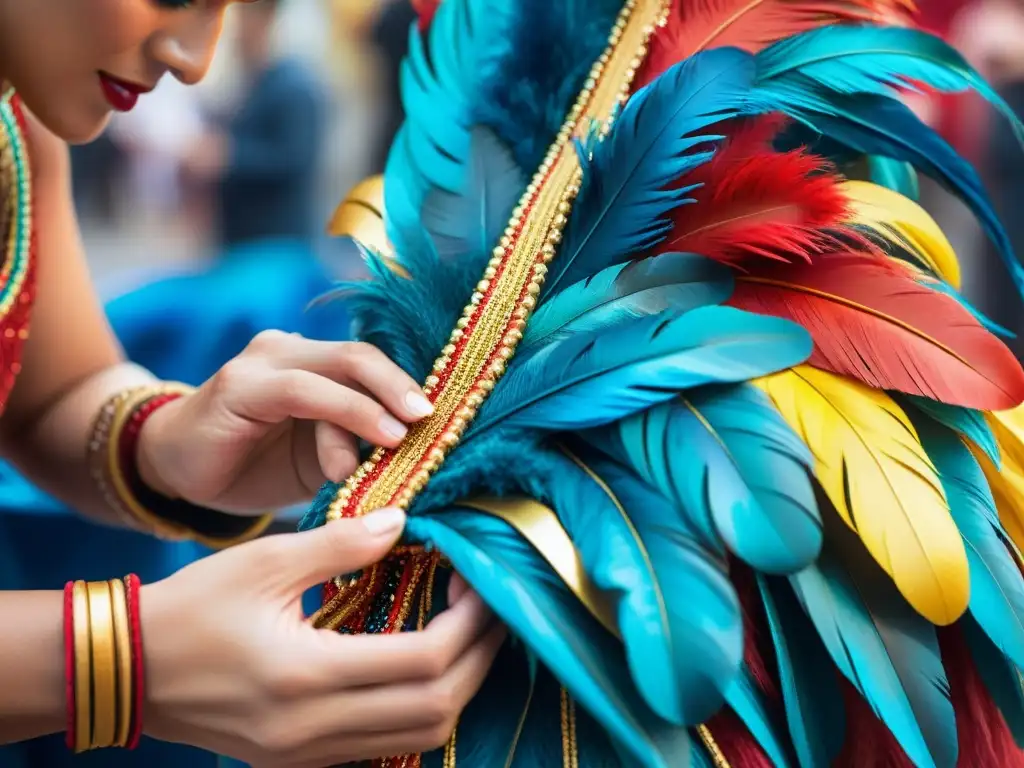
x: 1007, y: 482
x: 900, y: 219
x: 361, y: 217
x: 875, y: 472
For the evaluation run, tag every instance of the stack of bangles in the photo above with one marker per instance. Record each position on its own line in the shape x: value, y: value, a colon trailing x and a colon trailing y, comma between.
x: 103, y: 664
x: 112, y: 459
x: 103, y: 643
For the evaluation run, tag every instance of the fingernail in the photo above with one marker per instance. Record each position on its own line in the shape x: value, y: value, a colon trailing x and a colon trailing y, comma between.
x: 418, y: 405
x: 384, y: 521
x: 393, y: 426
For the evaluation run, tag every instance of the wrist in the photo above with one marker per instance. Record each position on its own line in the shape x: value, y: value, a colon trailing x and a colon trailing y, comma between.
x: 155, y: 449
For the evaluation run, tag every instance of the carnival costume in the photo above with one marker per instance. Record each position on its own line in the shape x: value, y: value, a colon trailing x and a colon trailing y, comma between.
x: 715, y: 434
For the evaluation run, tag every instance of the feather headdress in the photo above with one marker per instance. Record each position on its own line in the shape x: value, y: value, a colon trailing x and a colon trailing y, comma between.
x: 676, y: 346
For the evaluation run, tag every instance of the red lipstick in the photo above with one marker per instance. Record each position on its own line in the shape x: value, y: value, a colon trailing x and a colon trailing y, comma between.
x: 122, y: 95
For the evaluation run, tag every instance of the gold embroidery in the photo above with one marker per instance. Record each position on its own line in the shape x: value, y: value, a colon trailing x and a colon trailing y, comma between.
x: 717, y: 757
x: 492, y: 323
x: 570, y: 751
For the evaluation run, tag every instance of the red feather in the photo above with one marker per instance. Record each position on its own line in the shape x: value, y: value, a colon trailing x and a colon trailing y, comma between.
x: 697, y: 25
x: 872, y: 321
x: 758, y: 202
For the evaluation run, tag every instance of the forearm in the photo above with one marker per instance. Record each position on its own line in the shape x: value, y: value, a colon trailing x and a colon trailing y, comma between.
x: 32, y: 695
x: 53, y: 449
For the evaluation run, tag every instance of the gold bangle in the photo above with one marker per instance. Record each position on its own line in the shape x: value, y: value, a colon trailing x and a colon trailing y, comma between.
x: 122, y: 638
x: 83, y: 667
x: 104, y: 665
x: 108, y: 472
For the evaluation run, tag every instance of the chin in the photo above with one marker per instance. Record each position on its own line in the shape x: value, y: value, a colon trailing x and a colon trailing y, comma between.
x: 75, y: 124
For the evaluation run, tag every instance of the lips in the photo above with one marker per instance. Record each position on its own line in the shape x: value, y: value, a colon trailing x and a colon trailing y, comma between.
x: 122, y: 95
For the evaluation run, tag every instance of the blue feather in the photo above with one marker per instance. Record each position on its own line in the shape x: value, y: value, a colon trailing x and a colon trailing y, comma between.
x: 591, y: 379
x: 680, y: 281
x: 525, y: 593
x: 997, y: 591
x: 748, y: 703
x: 726, y: 457
x: 537, y: 71
x: 870, y: 59
x: 615, y: 559
x: 895, y: 175
x: 810, y: 686
x: 966, y: 422
x: 833, y: 602
x: 1001, y: 677
x: 628, y: 184
x: 465, y: 225
x: 441, y: 79
x: 704, y: 620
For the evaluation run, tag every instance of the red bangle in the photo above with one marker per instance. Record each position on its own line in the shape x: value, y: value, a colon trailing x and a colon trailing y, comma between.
x: 69, y: 663
x: 132, y: 585
x: 129, y: 438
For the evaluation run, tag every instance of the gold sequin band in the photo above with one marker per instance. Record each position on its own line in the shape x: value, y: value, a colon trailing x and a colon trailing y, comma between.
x: 113, y: 472
x: 492, y: 324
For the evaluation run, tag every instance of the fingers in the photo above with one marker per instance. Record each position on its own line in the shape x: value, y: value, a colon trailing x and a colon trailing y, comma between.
x: 351, y: 363
x: 300, y: 394
x: 336, y: 452
x: 365, y: 660
x: 414, y: 716
x: 341, y: 546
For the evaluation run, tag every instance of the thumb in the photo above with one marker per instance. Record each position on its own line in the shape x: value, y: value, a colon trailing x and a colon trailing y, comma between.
x: 344, y: 546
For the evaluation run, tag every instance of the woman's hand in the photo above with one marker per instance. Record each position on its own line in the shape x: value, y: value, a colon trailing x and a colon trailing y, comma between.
x: 276, y: 421
x: 233, y: 667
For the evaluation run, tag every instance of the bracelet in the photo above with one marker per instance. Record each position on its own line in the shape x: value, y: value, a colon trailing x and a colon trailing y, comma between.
x: 112, y: 459
x: 103, y: 664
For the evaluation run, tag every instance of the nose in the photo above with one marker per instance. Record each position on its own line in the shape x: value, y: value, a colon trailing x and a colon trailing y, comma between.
x: 187, y: 49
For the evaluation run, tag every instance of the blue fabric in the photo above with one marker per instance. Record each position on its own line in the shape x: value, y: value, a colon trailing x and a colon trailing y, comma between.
x: 182, y: 327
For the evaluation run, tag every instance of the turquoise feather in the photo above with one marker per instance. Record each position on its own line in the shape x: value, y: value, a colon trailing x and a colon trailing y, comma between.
x: 810, y: 687
x: 895, y: 175
x: 615, y: 559
x: 862, y: 59
x: 748, y: 703
x: 832, y: 601
x: 704, y: 622
x: 726, y: 457
x: 540, y: 610
x: 997, y: 594
x: 633, y: 179
x: 966, y: 422
x: 680, y: 281
x: 1001, y: 677
x: 910, y: 643
x: 595, y: 378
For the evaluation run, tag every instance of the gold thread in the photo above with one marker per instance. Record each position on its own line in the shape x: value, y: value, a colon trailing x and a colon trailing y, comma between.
x: 522, y: 721
x: 717, y: 756
x: 472, y: 363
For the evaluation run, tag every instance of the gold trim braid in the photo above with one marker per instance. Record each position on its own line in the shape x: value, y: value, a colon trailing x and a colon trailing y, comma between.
x: 492, y: 324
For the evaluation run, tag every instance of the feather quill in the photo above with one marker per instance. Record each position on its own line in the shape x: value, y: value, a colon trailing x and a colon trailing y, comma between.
x: 875, y: 472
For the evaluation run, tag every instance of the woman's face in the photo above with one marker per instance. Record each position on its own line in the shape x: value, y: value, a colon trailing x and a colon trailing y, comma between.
x: 73, y: 62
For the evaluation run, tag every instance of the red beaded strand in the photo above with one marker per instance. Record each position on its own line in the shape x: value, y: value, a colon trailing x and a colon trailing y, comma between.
x: 132, y: 586
x: 69, y: 664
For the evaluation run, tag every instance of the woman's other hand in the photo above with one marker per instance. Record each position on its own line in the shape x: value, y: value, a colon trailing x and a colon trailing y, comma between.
x: 234, y: 667
x: 276, y: 422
